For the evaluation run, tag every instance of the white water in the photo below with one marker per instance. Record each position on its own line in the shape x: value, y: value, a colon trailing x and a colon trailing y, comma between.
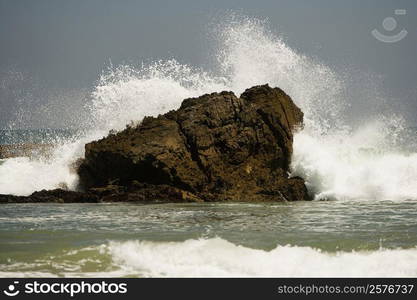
x: 216, y: 257
x: 338, y: 159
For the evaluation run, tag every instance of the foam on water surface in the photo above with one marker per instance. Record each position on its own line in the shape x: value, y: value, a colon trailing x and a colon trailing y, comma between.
x: 216, y: 257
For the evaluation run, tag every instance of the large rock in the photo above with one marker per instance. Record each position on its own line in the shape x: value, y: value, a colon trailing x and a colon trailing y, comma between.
x: 213, y: 148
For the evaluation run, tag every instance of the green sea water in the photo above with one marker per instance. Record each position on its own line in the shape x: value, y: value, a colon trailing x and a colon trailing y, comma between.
x: 320, y: 238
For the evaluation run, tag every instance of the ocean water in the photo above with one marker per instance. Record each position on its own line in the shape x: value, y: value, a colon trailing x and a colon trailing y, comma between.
x: 359, y: 161
x: 321, y: 238
x: 35, y: 136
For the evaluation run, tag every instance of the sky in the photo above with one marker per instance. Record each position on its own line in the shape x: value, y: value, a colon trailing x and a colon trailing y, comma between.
x: 52, y: 52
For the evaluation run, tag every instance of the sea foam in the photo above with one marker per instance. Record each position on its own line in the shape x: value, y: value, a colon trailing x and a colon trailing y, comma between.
x: 216, y: 257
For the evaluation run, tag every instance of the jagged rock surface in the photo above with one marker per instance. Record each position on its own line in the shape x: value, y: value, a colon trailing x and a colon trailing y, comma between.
x: 216, y: 147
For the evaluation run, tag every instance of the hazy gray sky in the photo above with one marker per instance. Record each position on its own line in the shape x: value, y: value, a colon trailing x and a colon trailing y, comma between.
x: 51, y: 48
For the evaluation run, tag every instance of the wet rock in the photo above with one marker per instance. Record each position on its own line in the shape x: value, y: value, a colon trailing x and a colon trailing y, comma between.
x: 51, y: 196
x: 216, y: 147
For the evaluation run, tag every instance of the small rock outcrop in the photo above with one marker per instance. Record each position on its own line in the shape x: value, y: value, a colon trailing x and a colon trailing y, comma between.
x: 216, y: 147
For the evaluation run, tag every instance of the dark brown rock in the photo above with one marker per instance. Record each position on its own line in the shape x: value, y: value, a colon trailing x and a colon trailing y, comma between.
x: 137, y: 192
x: 142, y: 192
x: 216, y: 147
x: 51, y: 196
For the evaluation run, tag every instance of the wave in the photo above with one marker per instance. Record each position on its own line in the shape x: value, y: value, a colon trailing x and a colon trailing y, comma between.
x: 341, y: 168
x: 339, y: 156
x: 216, y: 257
x: 24, y: 175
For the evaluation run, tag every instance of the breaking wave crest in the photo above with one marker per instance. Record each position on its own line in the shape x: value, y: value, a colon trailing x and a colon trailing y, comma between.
x: 216, y: 257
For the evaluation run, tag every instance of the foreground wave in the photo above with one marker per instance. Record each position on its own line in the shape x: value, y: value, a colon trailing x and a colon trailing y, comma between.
x: 216, y: 257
